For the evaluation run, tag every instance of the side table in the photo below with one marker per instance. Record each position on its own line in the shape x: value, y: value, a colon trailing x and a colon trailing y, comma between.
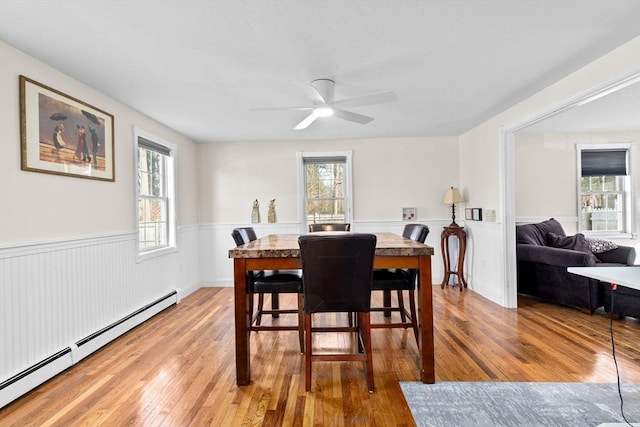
x: 447, y: 232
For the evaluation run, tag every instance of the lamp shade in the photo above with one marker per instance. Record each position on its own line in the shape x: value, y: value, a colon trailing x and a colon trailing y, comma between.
x: 452, y: 196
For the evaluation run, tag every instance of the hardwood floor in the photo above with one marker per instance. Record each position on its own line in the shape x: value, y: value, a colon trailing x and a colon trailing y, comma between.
x: 178, y: 368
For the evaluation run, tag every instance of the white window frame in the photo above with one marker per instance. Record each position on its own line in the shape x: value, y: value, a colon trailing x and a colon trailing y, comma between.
x: 170, y: 185
x: 348, y: 185
x: 629, y: 190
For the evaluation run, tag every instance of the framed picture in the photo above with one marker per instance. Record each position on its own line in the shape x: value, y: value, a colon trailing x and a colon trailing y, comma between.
x: 477, y: 214
x: 468, y: 214
x: 62, y: 135
x: 408, y: 214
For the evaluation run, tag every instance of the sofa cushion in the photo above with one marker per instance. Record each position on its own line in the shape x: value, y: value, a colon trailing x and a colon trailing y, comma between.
x: 536, y: 234
x: 601, y: 246
x: 576, y: 243
x: 621, y: 255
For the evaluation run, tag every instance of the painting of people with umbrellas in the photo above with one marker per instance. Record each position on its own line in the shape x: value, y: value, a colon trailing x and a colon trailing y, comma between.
x: 63, y: 135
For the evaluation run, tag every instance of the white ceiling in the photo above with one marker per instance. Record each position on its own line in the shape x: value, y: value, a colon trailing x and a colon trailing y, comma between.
x: 616, y: 112
x: 200, y: 67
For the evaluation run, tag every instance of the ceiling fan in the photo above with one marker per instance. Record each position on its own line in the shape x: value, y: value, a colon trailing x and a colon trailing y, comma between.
x: 324, y: 104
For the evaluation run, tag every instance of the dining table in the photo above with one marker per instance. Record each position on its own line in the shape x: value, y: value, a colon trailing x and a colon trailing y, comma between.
x: 282, y: 252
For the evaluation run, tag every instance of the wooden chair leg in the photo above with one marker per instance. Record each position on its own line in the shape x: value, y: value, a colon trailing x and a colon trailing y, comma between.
x: 275, y: 304
x: 308, y: 352
x: 364, y: 324
x: 403, y: 317
x: 414, y: 317
x: 301, y: 322
x: 386, y: 302
x: 259, y: 311
x: 250, y: 297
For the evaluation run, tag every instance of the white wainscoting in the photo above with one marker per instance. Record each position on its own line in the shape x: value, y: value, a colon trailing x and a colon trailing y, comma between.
x: 56, y: 294
x: 484, y: 260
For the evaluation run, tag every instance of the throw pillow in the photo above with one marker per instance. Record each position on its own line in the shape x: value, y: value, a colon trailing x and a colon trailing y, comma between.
x: 600, y: 246
x: 576, y: 243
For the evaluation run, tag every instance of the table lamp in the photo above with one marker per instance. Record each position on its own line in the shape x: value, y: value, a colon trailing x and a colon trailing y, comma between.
x: 451, y: 197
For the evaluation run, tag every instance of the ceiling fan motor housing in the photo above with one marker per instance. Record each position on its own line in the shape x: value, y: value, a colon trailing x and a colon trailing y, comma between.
x: 325, y: 88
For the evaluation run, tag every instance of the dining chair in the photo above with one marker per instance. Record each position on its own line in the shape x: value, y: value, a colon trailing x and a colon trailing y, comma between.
x: 336, y: 275
x: 334, y: 226
x: 399, y: 280
x: 329, y: 227
x: 274, y: 283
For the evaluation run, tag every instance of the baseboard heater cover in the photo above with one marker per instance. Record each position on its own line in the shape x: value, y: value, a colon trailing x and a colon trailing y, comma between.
x: 126, y: 318
x: 30, y: 378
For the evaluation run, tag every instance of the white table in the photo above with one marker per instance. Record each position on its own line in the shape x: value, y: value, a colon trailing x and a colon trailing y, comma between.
x: 628, y: 276
x: 623, y: 276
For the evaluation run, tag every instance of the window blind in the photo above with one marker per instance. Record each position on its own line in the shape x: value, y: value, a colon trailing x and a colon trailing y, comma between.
x: 153, y: 146
x: 604, y: 162
x: 323, y: 160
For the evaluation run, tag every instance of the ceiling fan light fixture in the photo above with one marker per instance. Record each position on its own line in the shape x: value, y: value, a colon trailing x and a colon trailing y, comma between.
x: 323, y: 111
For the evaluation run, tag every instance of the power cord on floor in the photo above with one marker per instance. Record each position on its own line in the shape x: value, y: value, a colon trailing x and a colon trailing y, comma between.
x: 613, y: 352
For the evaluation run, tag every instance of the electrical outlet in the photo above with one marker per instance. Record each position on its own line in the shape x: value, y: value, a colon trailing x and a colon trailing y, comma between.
x: 489, y: 215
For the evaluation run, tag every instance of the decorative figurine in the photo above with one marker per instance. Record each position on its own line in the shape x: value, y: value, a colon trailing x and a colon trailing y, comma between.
x: 272, y: 211
x: 255, y: 213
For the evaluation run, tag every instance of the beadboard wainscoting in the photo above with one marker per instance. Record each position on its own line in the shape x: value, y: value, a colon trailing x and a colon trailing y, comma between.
x: 63, y: 300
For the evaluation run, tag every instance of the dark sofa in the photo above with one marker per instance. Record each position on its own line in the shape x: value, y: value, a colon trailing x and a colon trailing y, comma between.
x: 626, y: 301
x: 544, y: 252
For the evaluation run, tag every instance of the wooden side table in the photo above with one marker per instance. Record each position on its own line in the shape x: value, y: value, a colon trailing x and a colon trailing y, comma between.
x: 447, y: 232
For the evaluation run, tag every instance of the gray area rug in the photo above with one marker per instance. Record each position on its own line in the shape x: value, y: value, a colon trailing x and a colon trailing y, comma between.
x: 520, y: 404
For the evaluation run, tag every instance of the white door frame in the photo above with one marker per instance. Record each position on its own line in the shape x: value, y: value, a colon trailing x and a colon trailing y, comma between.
x: 506, y: 136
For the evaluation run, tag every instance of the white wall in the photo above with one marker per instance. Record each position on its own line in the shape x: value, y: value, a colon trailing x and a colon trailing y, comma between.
x: 546, y: 171
x: 388, y: 174
x: 41, y: 207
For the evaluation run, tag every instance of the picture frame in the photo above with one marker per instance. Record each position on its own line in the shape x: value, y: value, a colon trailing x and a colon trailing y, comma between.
x: 468, y: 214
x: 408, y: 214
x: 62, y: 135
x: 477, y: 214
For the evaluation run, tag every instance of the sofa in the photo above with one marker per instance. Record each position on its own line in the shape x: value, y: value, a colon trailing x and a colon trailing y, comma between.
x: 544, y: 251
x: 626, y: 301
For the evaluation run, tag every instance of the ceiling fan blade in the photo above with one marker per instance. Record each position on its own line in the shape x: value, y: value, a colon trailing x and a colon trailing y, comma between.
x: 375, y: 98
x: 307, y: 121
x: 351, y: 116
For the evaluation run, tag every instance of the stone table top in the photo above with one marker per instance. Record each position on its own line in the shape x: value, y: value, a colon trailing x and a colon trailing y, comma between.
x: 286, y: 246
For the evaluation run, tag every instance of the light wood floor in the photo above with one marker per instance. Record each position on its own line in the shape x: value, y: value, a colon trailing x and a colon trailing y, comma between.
x: 178, y: 368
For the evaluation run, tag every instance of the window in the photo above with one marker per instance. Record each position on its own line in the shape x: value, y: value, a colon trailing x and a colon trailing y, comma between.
x: 604, y: 189
x: 155, y: 194
x: 326, y: 179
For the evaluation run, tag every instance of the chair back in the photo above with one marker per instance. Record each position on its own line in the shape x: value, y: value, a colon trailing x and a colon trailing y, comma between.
x: 337, y: 272
x: 417, y: 232
x: 243, y: 235
x: 329, y: 227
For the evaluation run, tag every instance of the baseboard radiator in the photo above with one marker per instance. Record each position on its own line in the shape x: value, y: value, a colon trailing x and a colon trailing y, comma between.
x: 30, y: 378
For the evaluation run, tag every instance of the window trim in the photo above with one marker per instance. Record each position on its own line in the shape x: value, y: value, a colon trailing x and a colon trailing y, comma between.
x: 629, y: 220
x: 171, y: 186
x: 348, y: 188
